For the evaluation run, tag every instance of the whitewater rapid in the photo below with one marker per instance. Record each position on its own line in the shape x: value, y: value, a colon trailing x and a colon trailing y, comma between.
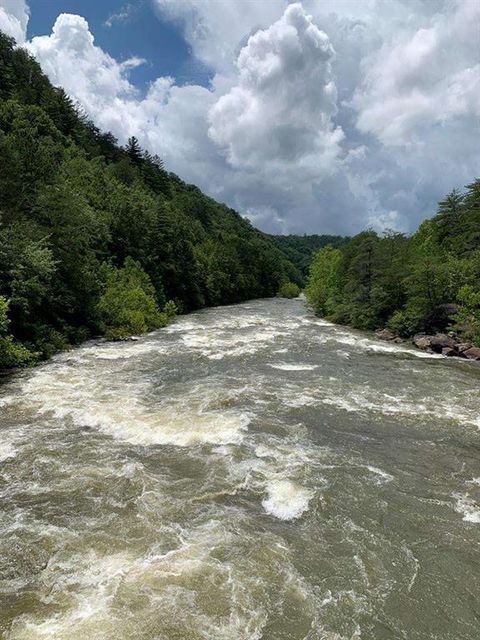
x: 250, y: 472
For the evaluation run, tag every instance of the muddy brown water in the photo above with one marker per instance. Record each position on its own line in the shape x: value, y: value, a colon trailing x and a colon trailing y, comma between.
x: 248, y: 473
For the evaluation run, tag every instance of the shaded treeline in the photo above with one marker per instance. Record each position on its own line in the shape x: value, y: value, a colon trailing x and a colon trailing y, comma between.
x: 301, y: 248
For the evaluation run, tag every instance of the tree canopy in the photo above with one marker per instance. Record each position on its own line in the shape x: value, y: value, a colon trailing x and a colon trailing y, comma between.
x: 428, y: 282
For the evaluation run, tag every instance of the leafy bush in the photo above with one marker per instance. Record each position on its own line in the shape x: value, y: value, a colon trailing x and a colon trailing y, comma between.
x: 12, y: 354
x: 468, y: 316
x: 50, y: 341
x: 170, y: 310
x: 405, y: 323
x: 128, y: 305
x: 289, y: 290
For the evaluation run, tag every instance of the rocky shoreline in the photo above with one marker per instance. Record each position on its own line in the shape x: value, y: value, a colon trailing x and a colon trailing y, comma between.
x: 447, y: 344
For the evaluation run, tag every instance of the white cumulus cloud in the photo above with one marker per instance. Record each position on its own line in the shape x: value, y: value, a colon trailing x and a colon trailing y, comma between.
x: 279, y: 114
x: 14, y: 16
x: 215, y: 29
x: 71, y: 59
x: 422, y: 76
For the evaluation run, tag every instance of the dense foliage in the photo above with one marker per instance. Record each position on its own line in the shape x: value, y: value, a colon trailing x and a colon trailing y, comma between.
x: 129, y: 302
x: 427, y: 282
x: 96, y: 238
x: 289, y: 290
x: 300, y: 249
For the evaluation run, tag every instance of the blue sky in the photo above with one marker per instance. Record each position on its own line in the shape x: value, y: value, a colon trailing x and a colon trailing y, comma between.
x: 316, y: 116
x: 135, y: 29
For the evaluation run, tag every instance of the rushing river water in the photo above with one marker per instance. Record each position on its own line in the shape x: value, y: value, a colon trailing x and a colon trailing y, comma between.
x: 248, y: 473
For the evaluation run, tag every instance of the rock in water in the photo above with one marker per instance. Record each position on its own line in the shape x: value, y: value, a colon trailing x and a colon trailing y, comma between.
x: 422, y: 341
x: 472, y: 354
x: 449, y: 351
x: 441, y: 341
x: 385, y: 334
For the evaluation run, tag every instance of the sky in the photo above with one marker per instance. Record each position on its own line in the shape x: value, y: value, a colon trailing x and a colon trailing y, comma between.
x: 319, y: 116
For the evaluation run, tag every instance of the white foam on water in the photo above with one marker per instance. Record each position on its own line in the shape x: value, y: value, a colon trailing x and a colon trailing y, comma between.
x: 120, y: 351
x: 7, y: 451
x: 367, y: 399
x: 467, y: 506
x: 285, y: 366
x: 185, y: 590
x: 286, y: 500
x: 318, y: 322
x: 382, y: 476
x: 276, y: 470
x: 297, y: 400
x: 474, y: 481
x: 11, y: 440
x: 8, y: 399
x: 366, y: 344
x: 88, y: 590
x: 90, y: 352
x: 216, y: 344
x: 115, y: 405
x: 290, y: 454
x: 182, y: 426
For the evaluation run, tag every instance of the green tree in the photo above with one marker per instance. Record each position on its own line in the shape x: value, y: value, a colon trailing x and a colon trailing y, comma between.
x: 128, y: 303
x: 467, y: 318
x: 134, y: 151
x: 12, y: 354
x: 323, y: 288
x: 289, y: 290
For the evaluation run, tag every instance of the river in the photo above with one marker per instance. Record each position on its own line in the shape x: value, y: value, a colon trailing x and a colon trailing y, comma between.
x: 248, y: 473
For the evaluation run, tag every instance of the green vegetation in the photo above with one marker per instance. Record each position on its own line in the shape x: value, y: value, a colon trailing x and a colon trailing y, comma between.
x: 128, y: 304
x: 12, y: 354
x: 428, y: 282
x: 289, y: 290
x: 96, y: 238
x: 301, y: 249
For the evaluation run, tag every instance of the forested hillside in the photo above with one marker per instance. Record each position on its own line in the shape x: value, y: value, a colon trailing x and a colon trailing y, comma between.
x: 428, y: 282
x: 96, y: 238
x: 300, y: 249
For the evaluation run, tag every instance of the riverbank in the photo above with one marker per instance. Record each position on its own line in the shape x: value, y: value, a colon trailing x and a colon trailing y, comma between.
x: 446, y: 344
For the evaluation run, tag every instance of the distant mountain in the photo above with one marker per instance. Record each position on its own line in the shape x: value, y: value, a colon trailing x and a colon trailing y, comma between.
x: 300, y: 249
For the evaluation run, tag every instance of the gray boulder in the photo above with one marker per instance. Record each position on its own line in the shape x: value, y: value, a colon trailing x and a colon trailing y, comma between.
x: 472, y: 354
x: 422, y: 341
x: 385, y: 334
x: 441, y: 341
x: 449, y: 351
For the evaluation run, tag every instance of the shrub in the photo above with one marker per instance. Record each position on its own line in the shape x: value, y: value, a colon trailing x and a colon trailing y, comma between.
x: 12, y: 353
x: 405, y: 323
x: 468, y: 316
x: 170, y: 310
x: 128, y: 305
x: 289, y: 290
